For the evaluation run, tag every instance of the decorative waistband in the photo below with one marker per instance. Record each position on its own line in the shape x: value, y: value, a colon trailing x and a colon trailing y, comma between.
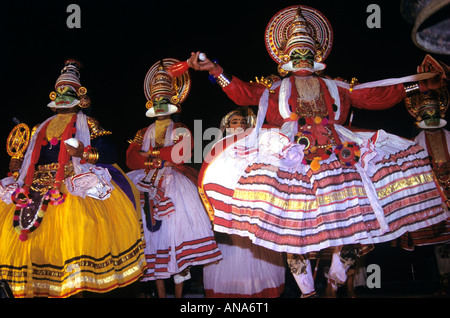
x: 44, y: 175
x: 54, y: 166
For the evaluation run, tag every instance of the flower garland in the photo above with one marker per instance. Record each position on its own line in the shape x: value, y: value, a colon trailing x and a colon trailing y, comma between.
x: 347, y: 153
x: 24, y: 231
x: 313, y: 154
x: 53, y: 196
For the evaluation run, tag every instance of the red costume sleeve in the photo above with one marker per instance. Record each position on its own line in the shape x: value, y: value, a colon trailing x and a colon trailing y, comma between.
x: 178, y: 153
x: 377, y: 98
x: 181, y: 151
x: 244, y: 93
x: 249, y: 94
x: 134, y: 160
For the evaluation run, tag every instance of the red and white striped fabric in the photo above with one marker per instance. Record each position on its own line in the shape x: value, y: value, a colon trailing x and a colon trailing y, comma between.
x: 297, y: 210
x: 437, y: 233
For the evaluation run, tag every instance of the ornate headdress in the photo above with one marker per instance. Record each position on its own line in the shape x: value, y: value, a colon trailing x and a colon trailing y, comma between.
x: 298, y: 27
x: 429, y: 108
x: 299, y: 35
x: 70, y: 78
x: 159, y: 84
x: 433, y: 103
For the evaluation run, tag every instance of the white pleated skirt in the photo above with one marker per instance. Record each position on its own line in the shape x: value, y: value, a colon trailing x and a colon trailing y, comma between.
x: 246, y: 270
x: 182, y: 238
x: 282, y: 204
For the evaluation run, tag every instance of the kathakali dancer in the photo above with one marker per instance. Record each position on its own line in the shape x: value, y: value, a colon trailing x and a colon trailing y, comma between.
x: 69, y: 216
x: 177, y: 229
x: 309, y: 183
x: 429, y: 111
x: 246, y: 270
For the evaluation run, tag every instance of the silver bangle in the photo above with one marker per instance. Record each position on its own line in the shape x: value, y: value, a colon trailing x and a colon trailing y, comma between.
x: 223, y: 80
x: 412, y: 89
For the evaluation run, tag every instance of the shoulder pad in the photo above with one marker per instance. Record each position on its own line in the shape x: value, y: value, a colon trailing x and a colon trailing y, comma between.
x: 139, y: 137
x: 95, y: 128
x: 33, y: 130
x: 267, y: 81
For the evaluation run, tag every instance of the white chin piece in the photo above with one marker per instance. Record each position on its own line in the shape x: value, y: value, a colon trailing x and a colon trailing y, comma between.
x: 151, y: 112
x: 74, y: 103
x: 442, y: 123
x: 317, y: 67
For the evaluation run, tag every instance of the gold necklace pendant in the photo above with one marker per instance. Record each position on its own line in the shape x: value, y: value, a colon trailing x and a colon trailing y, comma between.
x: 160, y: 131
x: 57, y: 126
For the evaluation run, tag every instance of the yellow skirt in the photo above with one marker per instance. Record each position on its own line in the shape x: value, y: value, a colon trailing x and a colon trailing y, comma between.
x: 81, y: 245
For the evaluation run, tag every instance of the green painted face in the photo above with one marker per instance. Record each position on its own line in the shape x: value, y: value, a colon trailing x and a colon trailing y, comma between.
x: 302, y: 58
x: 431, y: 117
x: 161, y: 105
x: 65, y: 96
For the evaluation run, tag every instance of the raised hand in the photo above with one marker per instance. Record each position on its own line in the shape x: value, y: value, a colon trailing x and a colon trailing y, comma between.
x: 200, y: 65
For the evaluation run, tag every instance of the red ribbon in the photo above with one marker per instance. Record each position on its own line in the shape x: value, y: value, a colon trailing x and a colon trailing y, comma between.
x: 63, y: 156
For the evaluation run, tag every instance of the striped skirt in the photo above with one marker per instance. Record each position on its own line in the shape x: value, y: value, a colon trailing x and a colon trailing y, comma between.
x: 293, y: 208
x: 178, y: 232
x: 431, y: 235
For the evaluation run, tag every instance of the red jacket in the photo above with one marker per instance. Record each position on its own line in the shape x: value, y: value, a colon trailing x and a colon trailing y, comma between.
x: 377, y: 98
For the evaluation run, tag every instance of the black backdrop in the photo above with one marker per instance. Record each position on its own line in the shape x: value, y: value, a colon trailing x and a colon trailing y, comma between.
x: 119, y: 40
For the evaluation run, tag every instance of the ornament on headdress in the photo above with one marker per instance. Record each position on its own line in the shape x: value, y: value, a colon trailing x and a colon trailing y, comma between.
x: 162, y: 88
x: 85, y: 101
x: 81, y: 91
x: 299, y: 28
x: 429, y: 108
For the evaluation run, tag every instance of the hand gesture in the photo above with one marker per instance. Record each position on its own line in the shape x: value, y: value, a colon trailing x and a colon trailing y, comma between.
x: 198, y: 65
x: 15, y: 165
x: 75, y: 152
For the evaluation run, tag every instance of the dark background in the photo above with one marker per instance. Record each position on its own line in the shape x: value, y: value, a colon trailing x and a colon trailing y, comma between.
x: 120, y: 40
